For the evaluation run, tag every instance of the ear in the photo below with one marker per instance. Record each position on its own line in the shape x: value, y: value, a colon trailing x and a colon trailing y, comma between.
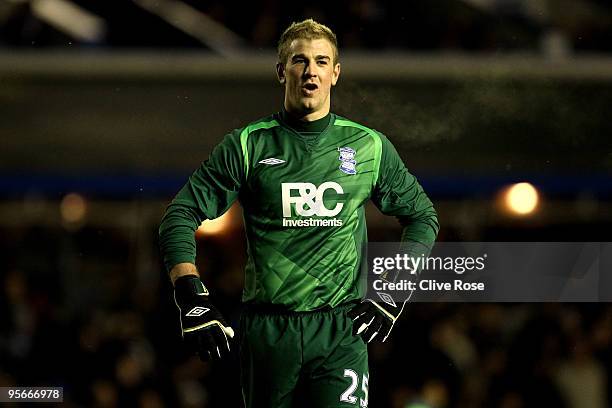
x: 280, y: 72
x: 335, y: 74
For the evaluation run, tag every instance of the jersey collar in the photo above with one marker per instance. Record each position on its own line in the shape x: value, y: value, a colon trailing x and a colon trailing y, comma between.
x: 299, y: 126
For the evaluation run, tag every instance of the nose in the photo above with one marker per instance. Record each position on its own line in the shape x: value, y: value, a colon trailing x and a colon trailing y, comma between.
x: 309, y: 69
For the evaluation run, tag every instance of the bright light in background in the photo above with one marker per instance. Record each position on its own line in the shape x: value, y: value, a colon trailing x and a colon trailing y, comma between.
x: 521, y: 199
x: 217, y: 226
x: 73, y: 208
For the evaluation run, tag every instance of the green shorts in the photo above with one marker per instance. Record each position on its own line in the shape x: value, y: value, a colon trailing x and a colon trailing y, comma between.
x: 302, y: 359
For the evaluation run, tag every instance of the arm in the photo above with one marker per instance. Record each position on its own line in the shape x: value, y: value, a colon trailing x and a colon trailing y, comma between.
x: 208, y: 193
x: 397, y: 193
x: 183, y: 269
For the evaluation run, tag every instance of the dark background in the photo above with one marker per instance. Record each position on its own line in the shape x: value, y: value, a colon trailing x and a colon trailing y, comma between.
x: 105, y: 113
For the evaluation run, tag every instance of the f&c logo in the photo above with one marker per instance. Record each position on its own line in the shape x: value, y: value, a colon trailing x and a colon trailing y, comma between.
x: 309, y: 199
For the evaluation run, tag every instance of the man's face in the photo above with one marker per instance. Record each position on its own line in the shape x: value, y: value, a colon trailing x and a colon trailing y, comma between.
x: 308, y: 76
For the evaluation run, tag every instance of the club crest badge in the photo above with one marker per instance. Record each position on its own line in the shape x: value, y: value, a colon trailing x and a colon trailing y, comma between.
x: 347, y: 159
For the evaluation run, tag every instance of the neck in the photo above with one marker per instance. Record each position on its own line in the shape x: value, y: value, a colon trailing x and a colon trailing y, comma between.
x: 305, y: 115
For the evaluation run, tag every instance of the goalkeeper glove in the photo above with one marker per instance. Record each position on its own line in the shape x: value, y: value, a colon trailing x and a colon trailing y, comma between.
x: 373, y: 319
x: 204, y: 330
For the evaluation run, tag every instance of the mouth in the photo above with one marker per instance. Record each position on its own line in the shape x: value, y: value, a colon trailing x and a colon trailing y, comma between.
x: 309, y: 88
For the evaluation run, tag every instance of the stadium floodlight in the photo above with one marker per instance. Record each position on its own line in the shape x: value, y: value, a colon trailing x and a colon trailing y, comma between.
x: 521, y: 199
x: 73, y: 208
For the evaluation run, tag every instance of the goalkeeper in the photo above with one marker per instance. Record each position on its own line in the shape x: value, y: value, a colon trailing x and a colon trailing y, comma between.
x: 303, y: 176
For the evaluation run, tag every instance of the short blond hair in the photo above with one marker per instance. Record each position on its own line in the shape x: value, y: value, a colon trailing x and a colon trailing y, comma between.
x: 308, y: 30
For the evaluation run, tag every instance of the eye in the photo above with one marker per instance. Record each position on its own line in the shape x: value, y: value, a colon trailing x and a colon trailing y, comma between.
x: 322, y: 62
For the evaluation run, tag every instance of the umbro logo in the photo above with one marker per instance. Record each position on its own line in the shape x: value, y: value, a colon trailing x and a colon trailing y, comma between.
x: 197, y: 311
x: 387, y: 298
x: 271, y: 161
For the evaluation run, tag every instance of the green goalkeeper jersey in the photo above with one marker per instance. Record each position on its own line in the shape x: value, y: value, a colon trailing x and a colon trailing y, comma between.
x: 303, y: 196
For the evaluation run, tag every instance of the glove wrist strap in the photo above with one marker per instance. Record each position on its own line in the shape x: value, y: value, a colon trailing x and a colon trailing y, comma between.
x: 188, y: 287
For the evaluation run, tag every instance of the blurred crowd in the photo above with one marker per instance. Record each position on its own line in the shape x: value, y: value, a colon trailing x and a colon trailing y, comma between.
x: 464, y: 25
x: 81, y: 308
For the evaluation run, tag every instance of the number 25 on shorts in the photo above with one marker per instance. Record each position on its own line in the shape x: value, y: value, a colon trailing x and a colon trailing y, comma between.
x: 348, y: 395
